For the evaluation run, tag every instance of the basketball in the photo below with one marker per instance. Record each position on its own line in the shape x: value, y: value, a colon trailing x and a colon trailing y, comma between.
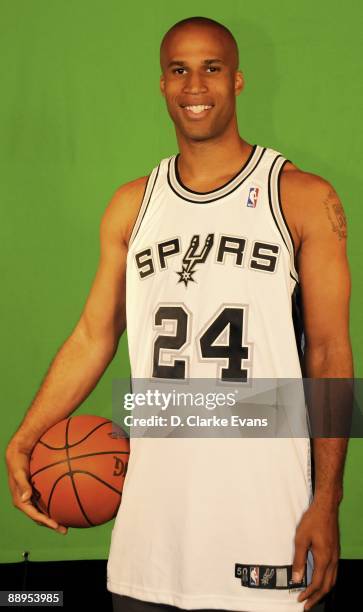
x: 77, y: 470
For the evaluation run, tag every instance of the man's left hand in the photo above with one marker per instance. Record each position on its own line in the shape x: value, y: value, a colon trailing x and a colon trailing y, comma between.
x: 318, y: 530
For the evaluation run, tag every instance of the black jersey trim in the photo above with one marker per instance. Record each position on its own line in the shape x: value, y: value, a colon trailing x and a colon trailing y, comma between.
x: 219, y: 196
x: 298, y: 323
x: 142, y: 211
x: 273, y: 213
x: 282, y: 212
x: 218, y: 188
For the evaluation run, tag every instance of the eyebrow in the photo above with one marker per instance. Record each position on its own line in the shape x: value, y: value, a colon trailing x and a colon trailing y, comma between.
x: 206, y: 62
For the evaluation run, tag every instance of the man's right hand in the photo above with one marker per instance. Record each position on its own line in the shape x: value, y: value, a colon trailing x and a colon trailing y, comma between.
x: 17, y: 461
x: 84, y: 356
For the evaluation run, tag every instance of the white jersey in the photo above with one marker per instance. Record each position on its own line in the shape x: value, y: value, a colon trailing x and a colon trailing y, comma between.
x: 210, y: 522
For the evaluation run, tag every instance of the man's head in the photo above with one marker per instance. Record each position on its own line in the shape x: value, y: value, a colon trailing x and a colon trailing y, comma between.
x: 200, y: 77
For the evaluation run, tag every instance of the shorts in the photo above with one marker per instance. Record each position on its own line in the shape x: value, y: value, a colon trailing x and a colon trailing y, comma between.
x: 123, y: 603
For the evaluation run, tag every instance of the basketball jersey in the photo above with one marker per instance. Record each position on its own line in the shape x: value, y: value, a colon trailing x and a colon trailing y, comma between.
x: 209, y: 522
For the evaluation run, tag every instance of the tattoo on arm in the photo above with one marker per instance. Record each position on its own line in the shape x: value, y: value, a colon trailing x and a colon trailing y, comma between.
x: 335, y: 212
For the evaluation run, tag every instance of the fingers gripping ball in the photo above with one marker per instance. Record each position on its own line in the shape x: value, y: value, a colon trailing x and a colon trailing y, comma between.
x: 77, y: 470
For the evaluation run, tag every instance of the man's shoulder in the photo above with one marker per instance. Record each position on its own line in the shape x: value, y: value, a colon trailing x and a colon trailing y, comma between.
x: 309, y: 199
x: 132, y: 189
x: 127, y: 197
x: 297, y: 183
x: 122, y: 210
x: 300, y: 183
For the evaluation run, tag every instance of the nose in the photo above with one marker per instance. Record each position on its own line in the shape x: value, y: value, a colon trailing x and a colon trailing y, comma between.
x: 195, y: 84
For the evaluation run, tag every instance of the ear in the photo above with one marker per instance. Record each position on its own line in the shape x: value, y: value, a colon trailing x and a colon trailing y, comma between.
x: 162, y: 85
x: 239, y: 82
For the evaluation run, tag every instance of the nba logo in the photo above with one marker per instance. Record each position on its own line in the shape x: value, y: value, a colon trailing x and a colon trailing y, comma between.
x: 254, y: 576
x: 252, y: 197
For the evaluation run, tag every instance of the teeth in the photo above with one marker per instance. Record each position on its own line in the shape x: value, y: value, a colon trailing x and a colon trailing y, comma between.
x: 198, y: 109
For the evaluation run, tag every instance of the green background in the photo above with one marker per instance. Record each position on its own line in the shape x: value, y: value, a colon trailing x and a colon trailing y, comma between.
x: 81, y: 114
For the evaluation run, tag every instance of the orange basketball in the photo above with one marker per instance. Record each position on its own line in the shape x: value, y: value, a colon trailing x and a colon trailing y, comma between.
x: 77, y: 470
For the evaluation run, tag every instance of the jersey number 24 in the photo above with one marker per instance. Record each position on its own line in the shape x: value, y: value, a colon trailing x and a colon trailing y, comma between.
x: 229, y: 319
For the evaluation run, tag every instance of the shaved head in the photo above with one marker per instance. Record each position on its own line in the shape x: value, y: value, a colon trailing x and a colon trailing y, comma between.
x: 223, y: 33
x: 200, y: 78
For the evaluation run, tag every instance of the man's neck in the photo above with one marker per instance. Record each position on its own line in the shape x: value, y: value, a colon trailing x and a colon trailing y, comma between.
x: 206, y: 165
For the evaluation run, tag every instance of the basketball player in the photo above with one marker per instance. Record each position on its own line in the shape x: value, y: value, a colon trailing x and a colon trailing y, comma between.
x: 226, y: 235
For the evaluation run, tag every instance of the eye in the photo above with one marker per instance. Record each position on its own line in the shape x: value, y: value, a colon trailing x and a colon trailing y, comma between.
x: 178, y: 70
x: 213, y: 68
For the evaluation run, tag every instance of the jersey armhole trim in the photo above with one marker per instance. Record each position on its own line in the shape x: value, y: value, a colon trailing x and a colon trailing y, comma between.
x: 148, y: 191
x: 274, y: 197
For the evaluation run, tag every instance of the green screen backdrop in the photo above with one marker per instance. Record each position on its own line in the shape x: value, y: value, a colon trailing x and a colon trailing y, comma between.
x: 81, y: 114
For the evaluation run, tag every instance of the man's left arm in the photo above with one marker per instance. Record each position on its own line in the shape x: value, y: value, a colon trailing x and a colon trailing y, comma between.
x: 326, y: 286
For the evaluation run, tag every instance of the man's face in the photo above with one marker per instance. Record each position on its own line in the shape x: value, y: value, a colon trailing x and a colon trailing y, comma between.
x: 200, y: 81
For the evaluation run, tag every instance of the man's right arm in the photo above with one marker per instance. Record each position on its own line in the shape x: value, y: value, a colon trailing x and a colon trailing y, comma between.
x: 85, y: 355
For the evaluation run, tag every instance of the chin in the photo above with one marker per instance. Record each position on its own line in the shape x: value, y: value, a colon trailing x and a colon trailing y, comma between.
x: 197, y: 135
x: 200, y: 133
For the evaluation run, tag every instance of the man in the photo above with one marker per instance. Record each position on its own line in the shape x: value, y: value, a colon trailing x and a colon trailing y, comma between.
x: 217, y: 240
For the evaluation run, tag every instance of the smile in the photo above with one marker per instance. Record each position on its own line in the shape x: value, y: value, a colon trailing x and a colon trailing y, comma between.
x: 196, y: 111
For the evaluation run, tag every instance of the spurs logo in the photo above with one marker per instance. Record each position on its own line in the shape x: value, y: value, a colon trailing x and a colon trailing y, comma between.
x: 120, y: 467
x: 191, y: 258
x: 269, y: 572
